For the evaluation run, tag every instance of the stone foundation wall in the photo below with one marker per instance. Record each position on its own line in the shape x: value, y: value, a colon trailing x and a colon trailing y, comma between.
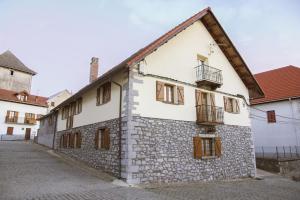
x: 163, y: 152
x: 107, y: 160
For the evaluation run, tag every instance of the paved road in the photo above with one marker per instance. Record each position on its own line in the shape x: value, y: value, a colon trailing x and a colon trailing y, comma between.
x: 28, y: 171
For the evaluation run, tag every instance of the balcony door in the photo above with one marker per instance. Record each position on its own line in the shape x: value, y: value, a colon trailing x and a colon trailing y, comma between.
x: 205, y: 103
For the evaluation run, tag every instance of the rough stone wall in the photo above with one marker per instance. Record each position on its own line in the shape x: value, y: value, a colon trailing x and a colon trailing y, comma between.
x: 163, y: 152
x: 107, y: 160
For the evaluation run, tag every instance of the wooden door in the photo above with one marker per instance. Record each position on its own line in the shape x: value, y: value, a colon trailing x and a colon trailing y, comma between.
x: 10, y: 130
x: 27, y: 133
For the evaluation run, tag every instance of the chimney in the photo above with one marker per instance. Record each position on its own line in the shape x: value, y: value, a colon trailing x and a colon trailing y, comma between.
x: 94, y: 69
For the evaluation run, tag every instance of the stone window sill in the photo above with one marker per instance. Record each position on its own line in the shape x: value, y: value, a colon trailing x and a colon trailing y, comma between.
x: 208, y: 157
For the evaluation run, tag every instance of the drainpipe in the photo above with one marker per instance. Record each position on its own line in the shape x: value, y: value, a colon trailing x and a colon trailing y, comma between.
x: 293, y: 122
x: 120, y: 125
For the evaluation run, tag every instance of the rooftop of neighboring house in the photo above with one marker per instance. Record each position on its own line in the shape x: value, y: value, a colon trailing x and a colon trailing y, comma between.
x: 279, y: 84
x: 59, y: 93
x: 10, y: 61
x: 22, y: 97
x: 207, y: 17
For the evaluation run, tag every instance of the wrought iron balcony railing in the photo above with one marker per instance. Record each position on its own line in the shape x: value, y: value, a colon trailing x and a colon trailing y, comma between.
x: 207, y: 114
x: 20, y: 120
x: 208, y: 76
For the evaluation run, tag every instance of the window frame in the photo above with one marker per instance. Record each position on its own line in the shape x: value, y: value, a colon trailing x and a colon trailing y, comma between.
x: 169, y: 91
x: 271, y: 116
x: 103, y: 94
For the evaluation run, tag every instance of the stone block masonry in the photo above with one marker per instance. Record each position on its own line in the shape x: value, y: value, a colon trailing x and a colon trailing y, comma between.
x: 163, y: 152
x: 107, y: 160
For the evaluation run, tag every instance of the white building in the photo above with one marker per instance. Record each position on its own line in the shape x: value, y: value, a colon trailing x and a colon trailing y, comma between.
x: 173, y: 111
x: 19, y: 110
x: 276, y: 117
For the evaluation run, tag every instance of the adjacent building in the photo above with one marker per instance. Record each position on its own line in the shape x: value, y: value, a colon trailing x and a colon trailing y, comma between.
x: 174, y: 111
x: 19, y: 109
x: 276, y: 117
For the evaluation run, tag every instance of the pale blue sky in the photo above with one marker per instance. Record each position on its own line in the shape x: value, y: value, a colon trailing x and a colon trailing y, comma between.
x: 57, y: 38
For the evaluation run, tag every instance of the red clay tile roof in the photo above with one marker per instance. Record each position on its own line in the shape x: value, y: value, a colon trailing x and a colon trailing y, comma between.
x: 279, y: 84
x: 8, y: 95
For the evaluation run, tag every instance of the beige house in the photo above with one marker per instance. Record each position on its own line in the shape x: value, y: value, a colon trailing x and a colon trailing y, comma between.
x: 174, y: 111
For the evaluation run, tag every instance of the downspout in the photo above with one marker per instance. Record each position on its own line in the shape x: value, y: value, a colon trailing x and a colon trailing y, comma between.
x: 120, y: 126
x: 293, y: 122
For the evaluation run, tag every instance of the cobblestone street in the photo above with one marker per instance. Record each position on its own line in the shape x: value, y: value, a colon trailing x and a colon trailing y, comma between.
x: 28, y: 171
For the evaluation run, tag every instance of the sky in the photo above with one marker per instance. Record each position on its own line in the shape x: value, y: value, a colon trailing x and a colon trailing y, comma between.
x: 57, y: 38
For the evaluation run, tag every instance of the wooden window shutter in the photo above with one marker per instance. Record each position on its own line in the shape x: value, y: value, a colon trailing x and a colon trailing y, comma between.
x: 218, y: 146
x: 271, y: 116
x: 225, y: 104
x: 61, y: 141
x: 159, y: 91
x: 72, y: 140
x: 78, y: 140
x: 98, y: 96
x: 236, y: 106
x: 16, y: 116
x: 180, y: 94
x: 97, y: 139
x: 198, y: 95
x: 197, y: 147
x: 65, y: 140
x: 107, y: 139
x: 108, y: 92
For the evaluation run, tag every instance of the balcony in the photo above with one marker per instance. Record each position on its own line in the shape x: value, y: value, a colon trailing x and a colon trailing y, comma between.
x: 209, y: 115
x: 208, y: 77
x: 20, y: 120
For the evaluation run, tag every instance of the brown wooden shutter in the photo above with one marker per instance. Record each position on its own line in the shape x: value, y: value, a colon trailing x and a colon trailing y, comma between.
x: 236, y: 105
x: 198, y: 95
x: 61, y: 141
x: 78, y: 140
x: 98, y: 96
x: 108, y: 89
x: 159, y: 91
x: 16, y: 116
x: 107, y: 139
x: 10, y: 130
x: 225, y: 104
x: 180, y: 94
x: 218, y: 146
x: 197, y: 147
x: 72, y: 140
x: 97, y: 139
x: 65, y: 140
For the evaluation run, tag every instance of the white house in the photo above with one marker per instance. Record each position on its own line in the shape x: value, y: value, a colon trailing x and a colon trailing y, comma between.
x: 174, y: 111
x: 19, y: 110
x: 276, y: 117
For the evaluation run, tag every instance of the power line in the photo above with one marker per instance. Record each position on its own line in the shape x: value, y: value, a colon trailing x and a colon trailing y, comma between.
x: 275, y: 114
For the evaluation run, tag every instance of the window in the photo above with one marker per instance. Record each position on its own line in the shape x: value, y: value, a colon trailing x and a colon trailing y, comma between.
x: 102, y: 139
x: 77, y: 140
x: 11, y: 72
x: 79, y: 105
x: 73, y: 108
x: 206, y: 146
x: 103, y: 94
x: 69, y: 122
x: 11, y: 116
x: 271, y: 116
x: 9, y: 130
x: 22, y: 97
x: 231, y: 105
x: 52, y: 103
x: 29, y: 118
x: 169, y: 93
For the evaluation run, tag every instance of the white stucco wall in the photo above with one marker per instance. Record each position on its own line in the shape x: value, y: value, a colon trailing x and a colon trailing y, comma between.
x: 19, y: 81
x: 285, y: 132
x: 177, y: 59
x: 90, y: 112
x: 58, y: 99
x: 19, y: 129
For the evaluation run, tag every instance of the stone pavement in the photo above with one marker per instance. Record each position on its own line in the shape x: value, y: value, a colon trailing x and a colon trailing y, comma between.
x: 28, y: 171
